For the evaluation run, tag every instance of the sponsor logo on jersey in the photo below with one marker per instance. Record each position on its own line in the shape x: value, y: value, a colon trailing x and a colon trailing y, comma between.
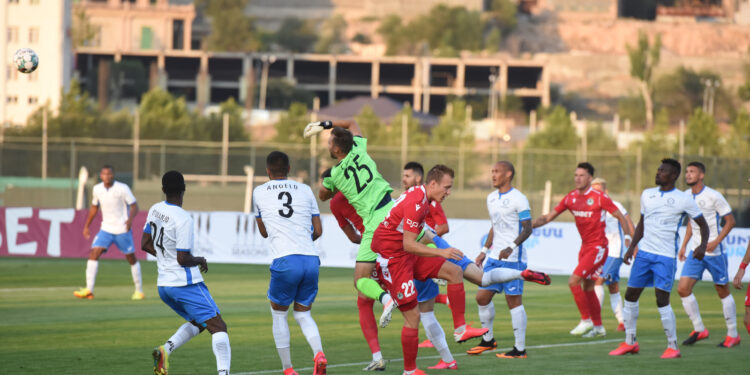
x: 590, y: 201
x: 411, y: 223
x: 670, y: 202
x: 581, y: 213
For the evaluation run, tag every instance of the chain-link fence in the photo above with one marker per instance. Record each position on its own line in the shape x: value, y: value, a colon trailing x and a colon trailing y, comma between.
x: 627, y: 173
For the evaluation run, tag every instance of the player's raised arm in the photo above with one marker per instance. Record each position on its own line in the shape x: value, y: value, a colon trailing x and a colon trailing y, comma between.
x: 637, y: 235
x: 318, y: 126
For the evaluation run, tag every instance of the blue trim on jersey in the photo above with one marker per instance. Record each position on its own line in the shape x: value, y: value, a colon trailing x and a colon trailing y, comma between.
x: 147, y: 229
x: 718, y: 230
x: 186, y: 250
x: 500, y: 195
x: 258, y: 216
x: 189, y: 275
x: 622, y: 240
x: 699, y: 215
x: 520, y: 247
x: 170, y: 204
x: 315, y: 215
x: 667, y: 191
x: 524, y: 215
x: 703, y: 188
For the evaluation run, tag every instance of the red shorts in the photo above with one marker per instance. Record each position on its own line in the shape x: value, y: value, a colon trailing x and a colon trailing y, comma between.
x: 590, y: 262
x: 397, y: 276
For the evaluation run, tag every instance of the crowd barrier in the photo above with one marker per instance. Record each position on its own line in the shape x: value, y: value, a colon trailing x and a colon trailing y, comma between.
x: 232, y: 237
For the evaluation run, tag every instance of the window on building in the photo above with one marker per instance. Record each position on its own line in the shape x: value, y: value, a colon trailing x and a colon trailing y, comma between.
x: 33, y: 100
x: 178, y: 34
x: 13, y: 1
x: 146, y: 37
x: 11, y: 99
x: 12, y: 34
x: 33, y: 76
x: 11, y: 73
x: 34, y: 2
x: 33, y: 34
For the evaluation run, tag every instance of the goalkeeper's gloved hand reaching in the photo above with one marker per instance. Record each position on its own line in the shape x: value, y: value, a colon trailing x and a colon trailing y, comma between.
x: 317, y: 127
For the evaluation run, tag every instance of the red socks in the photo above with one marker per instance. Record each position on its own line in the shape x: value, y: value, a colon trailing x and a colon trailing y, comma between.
x: 410, y: 346
x: 581, y: 302
x: 457, y: 296
x: 595, y: 310
x: 442, y: 298
x: 367, y: 323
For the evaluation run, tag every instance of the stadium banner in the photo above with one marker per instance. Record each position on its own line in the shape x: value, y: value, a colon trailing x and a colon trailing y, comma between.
x: 233, y: 237
x: 55, y: 233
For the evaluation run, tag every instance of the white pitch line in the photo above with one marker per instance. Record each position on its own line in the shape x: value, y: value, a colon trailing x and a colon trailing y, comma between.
x: 437, y: 356
x: 14, y: 290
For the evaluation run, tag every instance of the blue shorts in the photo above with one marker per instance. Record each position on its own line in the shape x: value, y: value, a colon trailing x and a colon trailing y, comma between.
x: 652, y: 270
x: 717, y: 266
x: 124, y: 241
x: 510, y: 288
x: 294, y: 278
x: 463, y: 263
x: 611, y: 270
x: 426, y: 290
x: 193, y: 302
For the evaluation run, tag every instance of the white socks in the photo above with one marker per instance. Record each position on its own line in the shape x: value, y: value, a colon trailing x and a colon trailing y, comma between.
x: 377, y: 356
x: 135, y: 270
x: 691, y: 308
x: 518, y: 319
x: 487, y: 317
x: 630, y: 317
x: 281, y: 337
x: 669, y: 323
x: 436, y: 335
x: 92, y: 266
x: 309, y: 329
x: 599, y: 291
x: 186, y: 332
x: 222, y: 351
x: 730, y: 315
x: 615, y: 301
x: 500, y: 275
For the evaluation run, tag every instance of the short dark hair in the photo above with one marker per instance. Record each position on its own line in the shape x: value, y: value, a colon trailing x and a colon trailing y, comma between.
x: 510, y: 167
x: 698, y: 165
x: 587, y: 166
x: 416, y: 167
x: 108, y: 166
x: 326, y: 173
x: 437, y: 172
x: 277, y: 163
x: 674, y: 164
x: 343, y: 139
x: 172, y: 183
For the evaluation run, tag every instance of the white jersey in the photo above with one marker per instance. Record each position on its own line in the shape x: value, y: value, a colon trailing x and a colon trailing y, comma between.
x: 662, y: 213
x: 507, y: 210
x: 113, y: 203
x: 171, y: 229
x: 286, y: 208
x: 614, y: 231
x: 714, y: 206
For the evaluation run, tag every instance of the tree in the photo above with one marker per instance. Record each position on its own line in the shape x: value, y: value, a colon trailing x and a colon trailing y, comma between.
x: 738, y: 140
x: 392, y: 32
x: 453, y: 129
x: 231, y: 29
x: 295, y: 35
x: 558, y: 132
x: 744, y: 90
x: 632, y: 108
x: 644, y: 57
x: 683, y: 90
x: 82, y: 31
x: 164, y: 117
x: 503, y: 14
x: 211, y: 127
x: 281, y: 94
x: 414, y: 131
x: 598, y: 139
x: 702, y: 135
x: 289, y: 128
x: 372, y: 128
x: 332, y: 38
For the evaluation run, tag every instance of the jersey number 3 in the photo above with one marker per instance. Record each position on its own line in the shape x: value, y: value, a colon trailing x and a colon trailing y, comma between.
x: 354, y: 173
x: 288, y: 204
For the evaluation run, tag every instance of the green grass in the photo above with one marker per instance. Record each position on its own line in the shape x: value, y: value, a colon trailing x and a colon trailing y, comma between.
x: 45, y: 330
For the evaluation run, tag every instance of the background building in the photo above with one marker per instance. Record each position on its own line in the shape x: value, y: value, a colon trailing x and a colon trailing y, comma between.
x: 44, y: 26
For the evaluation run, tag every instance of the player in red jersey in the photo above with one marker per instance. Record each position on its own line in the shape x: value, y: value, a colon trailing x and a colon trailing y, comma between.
x: 738, y: 284
x: 401, y: 259
x: 351, y: 224
x: 587, y: 206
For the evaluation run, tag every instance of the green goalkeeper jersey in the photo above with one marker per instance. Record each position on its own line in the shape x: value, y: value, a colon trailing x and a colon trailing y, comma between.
x: 357, y: 177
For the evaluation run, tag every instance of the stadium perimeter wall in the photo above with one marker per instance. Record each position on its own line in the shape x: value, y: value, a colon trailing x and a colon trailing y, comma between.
x: 232, y: 237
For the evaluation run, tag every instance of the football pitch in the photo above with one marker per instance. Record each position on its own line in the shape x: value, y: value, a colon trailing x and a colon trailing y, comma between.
x: 45, y: 330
